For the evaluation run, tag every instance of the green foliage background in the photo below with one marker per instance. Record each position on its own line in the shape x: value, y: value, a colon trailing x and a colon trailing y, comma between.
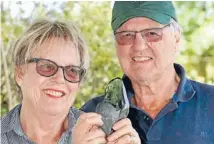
x: 93, y: 18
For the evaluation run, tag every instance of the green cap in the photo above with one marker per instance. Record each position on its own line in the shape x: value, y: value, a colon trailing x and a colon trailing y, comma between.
x: 159, y: 11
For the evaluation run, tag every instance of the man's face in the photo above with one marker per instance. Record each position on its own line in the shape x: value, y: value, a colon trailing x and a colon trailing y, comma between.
x: 147, y: 61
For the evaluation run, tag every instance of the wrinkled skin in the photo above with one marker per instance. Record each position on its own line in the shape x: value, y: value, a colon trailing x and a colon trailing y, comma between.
x: 114, y: 106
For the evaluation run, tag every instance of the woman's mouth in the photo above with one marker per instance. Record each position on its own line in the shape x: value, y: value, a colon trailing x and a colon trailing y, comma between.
x: 54, y: 93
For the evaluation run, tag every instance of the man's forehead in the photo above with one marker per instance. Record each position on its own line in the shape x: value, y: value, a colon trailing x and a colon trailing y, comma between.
x: 143, y: 22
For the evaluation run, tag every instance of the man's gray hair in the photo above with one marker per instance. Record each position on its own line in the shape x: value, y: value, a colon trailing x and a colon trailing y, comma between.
x: 176, y: 26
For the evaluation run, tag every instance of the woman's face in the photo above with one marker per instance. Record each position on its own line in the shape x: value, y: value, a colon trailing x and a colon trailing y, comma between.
x: 52, y: 95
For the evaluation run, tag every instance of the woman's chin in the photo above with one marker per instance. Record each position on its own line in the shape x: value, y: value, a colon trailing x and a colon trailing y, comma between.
x: 54, y: 111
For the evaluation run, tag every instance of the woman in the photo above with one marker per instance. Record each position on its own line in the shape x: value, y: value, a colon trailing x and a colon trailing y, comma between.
x: 50, y: 60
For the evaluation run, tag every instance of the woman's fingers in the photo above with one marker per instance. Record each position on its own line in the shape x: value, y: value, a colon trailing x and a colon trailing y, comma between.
x: 98, y: 140
x: 124, y: 133
x: 121, y: 123
x: 86, y: 122
x: 125, y: 130
x: 94, y: 134
x: 87, y: 130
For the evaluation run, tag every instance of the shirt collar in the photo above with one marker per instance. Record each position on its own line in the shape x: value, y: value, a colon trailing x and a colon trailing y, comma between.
x: 185, y: 89
x: 72, y: 118
x: 11, y: 121
x: 15, y: 124
x: 184, y: 92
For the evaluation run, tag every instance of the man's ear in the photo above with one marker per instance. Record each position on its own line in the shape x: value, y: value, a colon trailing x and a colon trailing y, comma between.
x: 177, y: 35
x: 19, y: 75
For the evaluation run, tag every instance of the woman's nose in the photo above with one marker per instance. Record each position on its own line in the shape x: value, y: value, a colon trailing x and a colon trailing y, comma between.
x: 58, y: 77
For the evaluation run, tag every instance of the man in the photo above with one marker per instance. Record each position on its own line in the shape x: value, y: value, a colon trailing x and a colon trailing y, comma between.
x: 165, y: 106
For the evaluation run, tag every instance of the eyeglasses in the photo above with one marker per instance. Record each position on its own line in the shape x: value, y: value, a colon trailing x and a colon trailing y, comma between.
x: 48, y: 68
x: 149, y: 35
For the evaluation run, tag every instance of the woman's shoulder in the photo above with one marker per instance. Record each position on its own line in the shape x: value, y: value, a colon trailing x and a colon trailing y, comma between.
x: 7, y: 121
x: 75, y: 112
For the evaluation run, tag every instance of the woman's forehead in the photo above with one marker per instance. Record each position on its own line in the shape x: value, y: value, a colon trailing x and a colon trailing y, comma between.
x: 56, y: 45
x: 58, y: 49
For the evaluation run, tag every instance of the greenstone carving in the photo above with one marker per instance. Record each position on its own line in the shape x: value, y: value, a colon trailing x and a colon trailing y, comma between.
x: 115, y: 105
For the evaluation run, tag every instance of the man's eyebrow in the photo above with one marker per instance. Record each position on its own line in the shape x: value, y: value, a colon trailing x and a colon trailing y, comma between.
x: 154, y: 28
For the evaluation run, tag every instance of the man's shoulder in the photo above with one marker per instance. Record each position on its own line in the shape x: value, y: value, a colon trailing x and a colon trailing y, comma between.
x: 202, y: 88
x: 204, y: 97
x: 91, y: 105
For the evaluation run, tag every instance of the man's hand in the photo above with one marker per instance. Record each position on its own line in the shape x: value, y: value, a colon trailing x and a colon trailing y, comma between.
x: 124, y: 133
x: 87, y: 130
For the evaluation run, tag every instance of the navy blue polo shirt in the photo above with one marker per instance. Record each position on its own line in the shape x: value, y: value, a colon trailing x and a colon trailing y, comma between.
x: 187, y: 119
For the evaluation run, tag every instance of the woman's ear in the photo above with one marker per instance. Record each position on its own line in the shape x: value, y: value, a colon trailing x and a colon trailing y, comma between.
x: 19, y: 75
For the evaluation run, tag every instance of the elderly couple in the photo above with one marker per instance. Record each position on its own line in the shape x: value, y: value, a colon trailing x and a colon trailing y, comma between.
x: 51, y: 58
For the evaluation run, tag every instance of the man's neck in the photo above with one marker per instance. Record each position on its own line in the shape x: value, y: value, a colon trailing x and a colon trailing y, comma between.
x: 152, y: 96
x: 41, y: 127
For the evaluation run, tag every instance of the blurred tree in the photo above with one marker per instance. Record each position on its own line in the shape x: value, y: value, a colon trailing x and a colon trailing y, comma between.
x: 197, y: 50
x: 93, y: 18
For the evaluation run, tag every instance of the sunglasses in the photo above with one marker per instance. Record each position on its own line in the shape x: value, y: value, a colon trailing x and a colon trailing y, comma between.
x: 149, y: 35
x: 48, y: 68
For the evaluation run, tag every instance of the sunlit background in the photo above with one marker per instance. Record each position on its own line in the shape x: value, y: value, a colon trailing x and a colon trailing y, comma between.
x: 93, y: 18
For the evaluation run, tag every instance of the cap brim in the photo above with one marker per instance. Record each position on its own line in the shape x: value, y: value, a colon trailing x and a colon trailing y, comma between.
x: 153, y: 15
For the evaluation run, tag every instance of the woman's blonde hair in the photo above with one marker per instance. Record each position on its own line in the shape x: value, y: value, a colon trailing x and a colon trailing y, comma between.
x: 40, y: 31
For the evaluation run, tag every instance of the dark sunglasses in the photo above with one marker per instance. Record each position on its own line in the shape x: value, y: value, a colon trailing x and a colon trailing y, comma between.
x: 48, y: 68
x: 149, y: 35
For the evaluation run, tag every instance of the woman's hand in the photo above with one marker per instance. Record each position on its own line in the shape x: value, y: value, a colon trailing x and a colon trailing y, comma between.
x: 123, y: 133
x: 87, y: 130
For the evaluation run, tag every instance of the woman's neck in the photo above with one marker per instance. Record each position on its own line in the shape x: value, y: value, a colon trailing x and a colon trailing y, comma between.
x: 41, y: 127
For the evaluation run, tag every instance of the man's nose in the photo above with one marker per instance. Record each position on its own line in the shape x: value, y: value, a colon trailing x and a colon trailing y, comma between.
x: 139, y: 43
